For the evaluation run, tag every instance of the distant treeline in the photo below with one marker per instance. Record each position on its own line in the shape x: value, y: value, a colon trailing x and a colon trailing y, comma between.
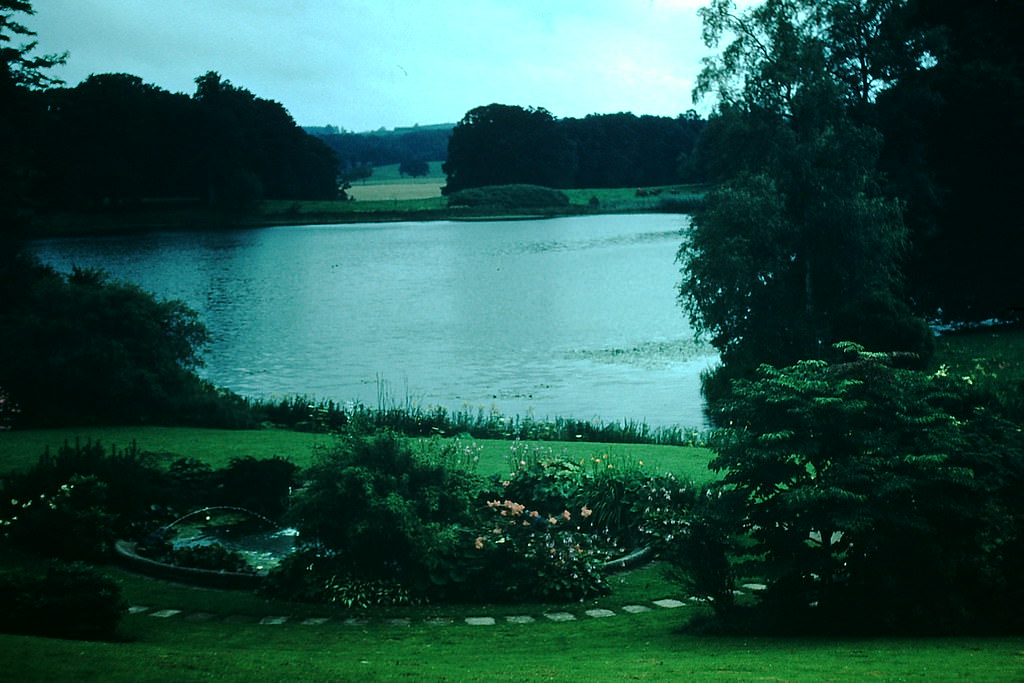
x: 355, y: 150
x: 504, y: 144
x: 114, y: 140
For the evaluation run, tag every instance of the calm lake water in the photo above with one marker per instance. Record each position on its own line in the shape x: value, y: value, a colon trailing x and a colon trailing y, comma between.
x: 563, y: 317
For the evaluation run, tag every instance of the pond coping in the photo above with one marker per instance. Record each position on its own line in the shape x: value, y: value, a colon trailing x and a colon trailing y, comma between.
x: 210, y: 578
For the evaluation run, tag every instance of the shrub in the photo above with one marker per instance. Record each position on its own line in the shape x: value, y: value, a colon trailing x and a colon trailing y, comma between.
x: 71, y: 523
x: 259, y: 485
x: 68, y: 601
x: 311, y: 576
x: 381, y: 509
x: 510, y: 197
x: 212, y: 556
x: 522, y: 555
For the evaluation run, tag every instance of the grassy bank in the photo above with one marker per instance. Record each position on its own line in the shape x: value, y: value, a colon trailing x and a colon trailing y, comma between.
x: 387, y: 199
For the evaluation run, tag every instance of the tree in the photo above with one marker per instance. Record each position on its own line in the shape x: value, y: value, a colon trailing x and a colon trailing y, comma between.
x: 415, y: 168
x: 798, y: 247
x: 81, y: 349
x: 865, y: 496
x: 502, y: 145
x: 951, y: 130
x: 21, y: 75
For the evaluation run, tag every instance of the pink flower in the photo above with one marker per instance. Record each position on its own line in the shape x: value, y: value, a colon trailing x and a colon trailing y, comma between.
x: 479, y: 543
x: 585, y: 511
x: 566, y: 516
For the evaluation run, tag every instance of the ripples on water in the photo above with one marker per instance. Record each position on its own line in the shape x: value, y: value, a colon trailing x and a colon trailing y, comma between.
x: 563, y: 317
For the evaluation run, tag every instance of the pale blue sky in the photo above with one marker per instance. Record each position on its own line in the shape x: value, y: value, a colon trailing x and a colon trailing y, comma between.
x: 363, y: 64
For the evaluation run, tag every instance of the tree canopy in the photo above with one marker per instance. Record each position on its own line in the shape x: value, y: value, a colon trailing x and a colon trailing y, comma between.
x: 502, y: 144
x: 799, y: 246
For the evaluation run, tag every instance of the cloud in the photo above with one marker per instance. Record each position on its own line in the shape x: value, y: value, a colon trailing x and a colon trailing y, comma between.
x: 362, y: 64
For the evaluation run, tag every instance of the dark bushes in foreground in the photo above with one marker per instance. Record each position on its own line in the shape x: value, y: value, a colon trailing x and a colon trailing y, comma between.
x: 66, y: 601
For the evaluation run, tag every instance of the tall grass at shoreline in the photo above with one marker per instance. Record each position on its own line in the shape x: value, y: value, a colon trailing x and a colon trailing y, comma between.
x: 409, y: 418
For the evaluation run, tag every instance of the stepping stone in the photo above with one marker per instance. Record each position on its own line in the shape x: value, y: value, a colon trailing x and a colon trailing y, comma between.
x: 480, y: 621
x: 165, y: 613
x: 353, y: 621
x: 314, y: 621
x: 273, y: 621
x: 560, y: 616
x: 754, y: 587
x: 438, y: 621
x: 520, y: 620
x: 239, y: 619
x: 669, y: 603
x: 599, y: 613
x: 635, y: 609
x: 397, y: 622
x: 137, y: 609
x: 199, y: 616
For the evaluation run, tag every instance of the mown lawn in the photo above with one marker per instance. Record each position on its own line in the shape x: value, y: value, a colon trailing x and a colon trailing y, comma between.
x: 635, y: 647
x: 20, y: 449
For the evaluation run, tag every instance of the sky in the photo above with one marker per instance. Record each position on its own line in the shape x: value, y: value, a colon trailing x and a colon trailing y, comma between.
x: 368, y: 64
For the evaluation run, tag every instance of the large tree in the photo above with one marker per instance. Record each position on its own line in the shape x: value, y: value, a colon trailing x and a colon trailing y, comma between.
x: 501, y: 144
x: 798, y: 246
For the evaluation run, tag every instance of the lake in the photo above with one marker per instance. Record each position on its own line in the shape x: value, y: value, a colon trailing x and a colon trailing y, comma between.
x: 571, y: 317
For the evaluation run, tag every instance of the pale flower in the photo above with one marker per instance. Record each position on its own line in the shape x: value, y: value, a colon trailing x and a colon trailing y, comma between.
x: 585, y: 511
x: 566, y: 516
x: 479, y: 543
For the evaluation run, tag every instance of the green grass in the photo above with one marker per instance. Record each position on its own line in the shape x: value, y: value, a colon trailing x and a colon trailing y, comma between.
x: 638, y: 647
x: 20, y: 449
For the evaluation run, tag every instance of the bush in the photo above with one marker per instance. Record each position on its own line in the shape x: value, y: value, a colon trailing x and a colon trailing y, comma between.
x: 510, y: 197
x: 71, y: 523
x: 259, y: 485
x: 67, y: 601
x: 383, y: 510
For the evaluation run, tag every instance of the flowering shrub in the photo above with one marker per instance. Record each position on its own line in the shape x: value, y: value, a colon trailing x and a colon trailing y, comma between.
x: 526, y: 555
x: 70, y: 523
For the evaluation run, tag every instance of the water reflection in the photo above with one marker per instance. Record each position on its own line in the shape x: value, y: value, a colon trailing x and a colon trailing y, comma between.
x: 573, y: 317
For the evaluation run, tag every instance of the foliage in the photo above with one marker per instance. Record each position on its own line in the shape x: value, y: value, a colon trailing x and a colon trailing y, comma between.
x: 212, y: 556
x: 501, y: 144
x: 948, y: 128
x: 80, y: 348
x: 66, y: 601
x: 71, y: 522
x: 866, y: 497
x: 85, y: 488
x: 799, y: 246
x: 262, y: 485
x: 509, y: 197
x: 382, y: 509
x: 524, y: 555
x: 415, y: 168
x: 312, y: 576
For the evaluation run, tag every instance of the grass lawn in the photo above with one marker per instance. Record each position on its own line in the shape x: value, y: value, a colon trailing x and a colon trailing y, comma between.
x: 625, y: 647
x: 21, y: 449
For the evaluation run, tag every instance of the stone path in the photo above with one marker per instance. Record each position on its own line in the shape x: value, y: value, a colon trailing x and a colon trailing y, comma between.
x: 276, y: 620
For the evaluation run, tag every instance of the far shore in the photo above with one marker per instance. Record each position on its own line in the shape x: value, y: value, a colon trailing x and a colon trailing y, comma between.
x: 190, y: 215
